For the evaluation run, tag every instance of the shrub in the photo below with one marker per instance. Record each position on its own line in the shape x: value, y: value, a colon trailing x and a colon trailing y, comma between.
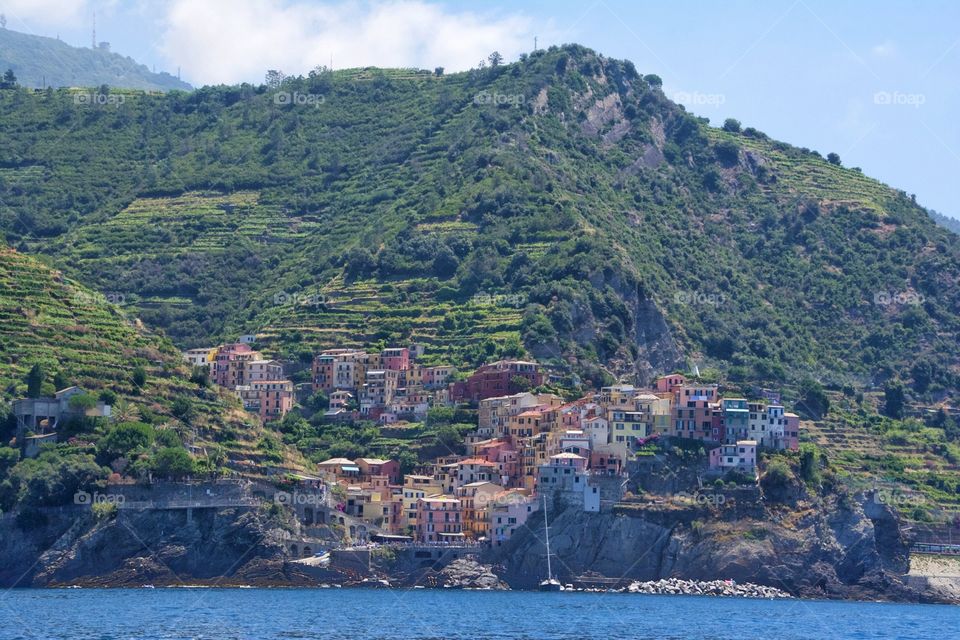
x: 732, y: 125
x: 777, y: 476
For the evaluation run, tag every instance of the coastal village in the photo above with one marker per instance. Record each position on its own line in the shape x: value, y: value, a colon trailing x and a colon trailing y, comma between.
x: 527, y: 442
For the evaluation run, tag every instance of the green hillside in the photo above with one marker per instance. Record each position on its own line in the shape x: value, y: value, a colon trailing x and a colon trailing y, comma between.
x: 80, y: 337
x: 561, y: 205
x: 40, y: 62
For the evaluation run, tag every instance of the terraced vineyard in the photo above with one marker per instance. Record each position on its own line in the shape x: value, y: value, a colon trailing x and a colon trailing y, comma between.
x: 561, y: 200
x: 802, y: 173
x: 363, y: 313
x: 915, y: 465
x: 47, y: 319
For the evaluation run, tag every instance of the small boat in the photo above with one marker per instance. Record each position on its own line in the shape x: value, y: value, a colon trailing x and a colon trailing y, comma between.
x: 551, y: 583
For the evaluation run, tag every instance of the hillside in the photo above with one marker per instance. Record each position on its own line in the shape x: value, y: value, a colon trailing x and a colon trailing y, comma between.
x: 79, y: 337
x: 560, y: 205
x: 40, y: 62
x: 945, y: 221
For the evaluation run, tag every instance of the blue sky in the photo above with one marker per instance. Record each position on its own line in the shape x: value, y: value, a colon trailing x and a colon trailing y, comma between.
x: 875, y: 81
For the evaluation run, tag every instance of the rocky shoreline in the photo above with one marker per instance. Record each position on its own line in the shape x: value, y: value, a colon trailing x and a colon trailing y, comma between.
x: 720, y: 588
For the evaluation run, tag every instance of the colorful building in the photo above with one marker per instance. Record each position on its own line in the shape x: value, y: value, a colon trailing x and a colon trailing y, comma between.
x: 439, y: 519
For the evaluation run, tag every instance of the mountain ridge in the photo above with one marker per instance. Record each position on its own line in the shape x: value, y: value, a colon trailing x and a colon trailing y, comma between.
x: 406, y: 201
x: 39, y: 62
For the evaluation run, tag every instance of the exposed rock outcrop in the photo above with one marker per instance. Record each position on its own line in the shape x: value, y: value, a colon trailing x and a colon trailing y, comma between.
x: 833, y: 550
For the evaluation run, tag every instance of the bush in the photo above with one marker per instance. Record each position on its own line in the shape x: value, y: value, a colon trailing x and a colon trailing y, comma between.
x: 777, y: 476
x: 173, y: 463
x: 139, y: 378
x: 104, y: 510
x: 732, y: 125
x: 124, y: 438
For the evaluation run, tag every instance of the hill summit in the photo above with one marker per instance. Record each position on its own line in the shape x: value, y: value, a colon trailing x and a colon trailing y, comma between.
x: 40, y: 62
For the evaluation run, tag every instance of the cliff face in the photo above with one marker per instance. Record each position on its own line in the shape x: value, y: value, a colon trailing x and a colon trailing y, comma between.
x: 226, y: 546
x: 834, y: 548
x: 838, y: 549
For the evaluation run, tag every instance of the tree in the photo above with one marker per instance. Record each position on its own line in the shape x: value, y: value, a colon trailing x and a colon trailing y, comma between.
x: 139, y: 377
x: 449, y: 436
x: 8, y: 459
x: 438, y: 71
x: 173, y: 462
x: 727, y: 152
x: 495, y: 59
x: 360, y: 262
x: 809, y: 464
x: 274, y: 78
x: 35, y: 381
x: 124, y: 438
x: 82, y: 401
x: 732, y: 125
x: 60, y: 381
x: 653, y: 80
x: 183, y: 409
x: 814, y: 402
x: 833, y: 158
x: 894, y: 398
x: 9, y: 80
x: 3, y: 21
x: 777, y: 476
x: 445, y: 263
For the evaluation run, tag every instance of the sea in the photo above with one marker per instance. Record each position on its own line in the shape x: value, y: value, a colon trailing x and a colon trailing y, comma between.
x: 414, y: 614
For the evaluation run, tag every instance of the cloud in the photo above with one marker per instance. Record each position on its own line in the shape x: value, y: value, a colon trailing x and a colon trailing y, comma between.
x: 223, y: 41
x: 27, y: 15
x: 884, y: 49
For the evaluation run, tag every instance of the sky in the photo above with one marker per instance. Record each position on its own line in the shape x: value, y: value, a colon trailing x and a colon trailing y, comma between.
x: 874, y: 81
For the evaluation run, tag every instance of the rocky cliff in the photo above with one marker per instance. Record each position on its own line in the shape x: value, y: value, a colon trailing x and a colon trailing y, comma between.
x: 132, y: 548
x: 834, y: 548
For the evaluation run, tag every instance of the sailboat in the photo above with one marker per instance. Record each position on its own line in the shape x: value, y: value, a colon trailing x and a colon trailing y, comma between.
x: 551, y: 583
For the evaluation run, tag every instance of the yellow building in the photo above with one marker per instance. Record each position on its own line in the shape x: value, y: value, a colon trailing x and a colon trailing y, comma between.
x: 415, y: 488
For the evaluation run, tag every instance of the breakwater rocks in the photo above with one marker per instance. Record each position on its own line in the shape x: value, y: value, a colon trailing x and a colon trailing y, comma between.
x: 723, y: 588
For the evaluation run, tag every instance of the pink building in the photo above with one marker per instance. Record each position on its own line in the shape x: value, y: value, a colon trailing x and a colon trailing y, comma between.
x: 504, y: 456
x: 276, y: 398
x: 475, y: 470
x: 791, y: 432
x: 370, y: 467
x: 395, y: 359
x: 668, y: 384
x: 229, y: 366
x: 439, y: 519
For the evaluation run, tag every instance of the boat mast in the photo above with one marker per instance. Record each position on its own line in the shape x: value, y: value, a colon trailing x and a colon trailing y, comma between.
x: 546, y: 530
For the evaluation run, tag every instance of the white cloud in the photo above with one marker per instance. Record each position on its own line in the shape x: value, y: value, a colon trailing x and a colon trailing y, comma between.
x: 884, y: 49
x: 224, y: 41
x: 28, y: 15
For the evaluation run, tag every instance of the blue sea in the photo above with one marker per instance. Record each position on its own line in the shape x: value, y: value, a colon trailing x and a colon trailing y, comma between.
x: 290, y: 614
